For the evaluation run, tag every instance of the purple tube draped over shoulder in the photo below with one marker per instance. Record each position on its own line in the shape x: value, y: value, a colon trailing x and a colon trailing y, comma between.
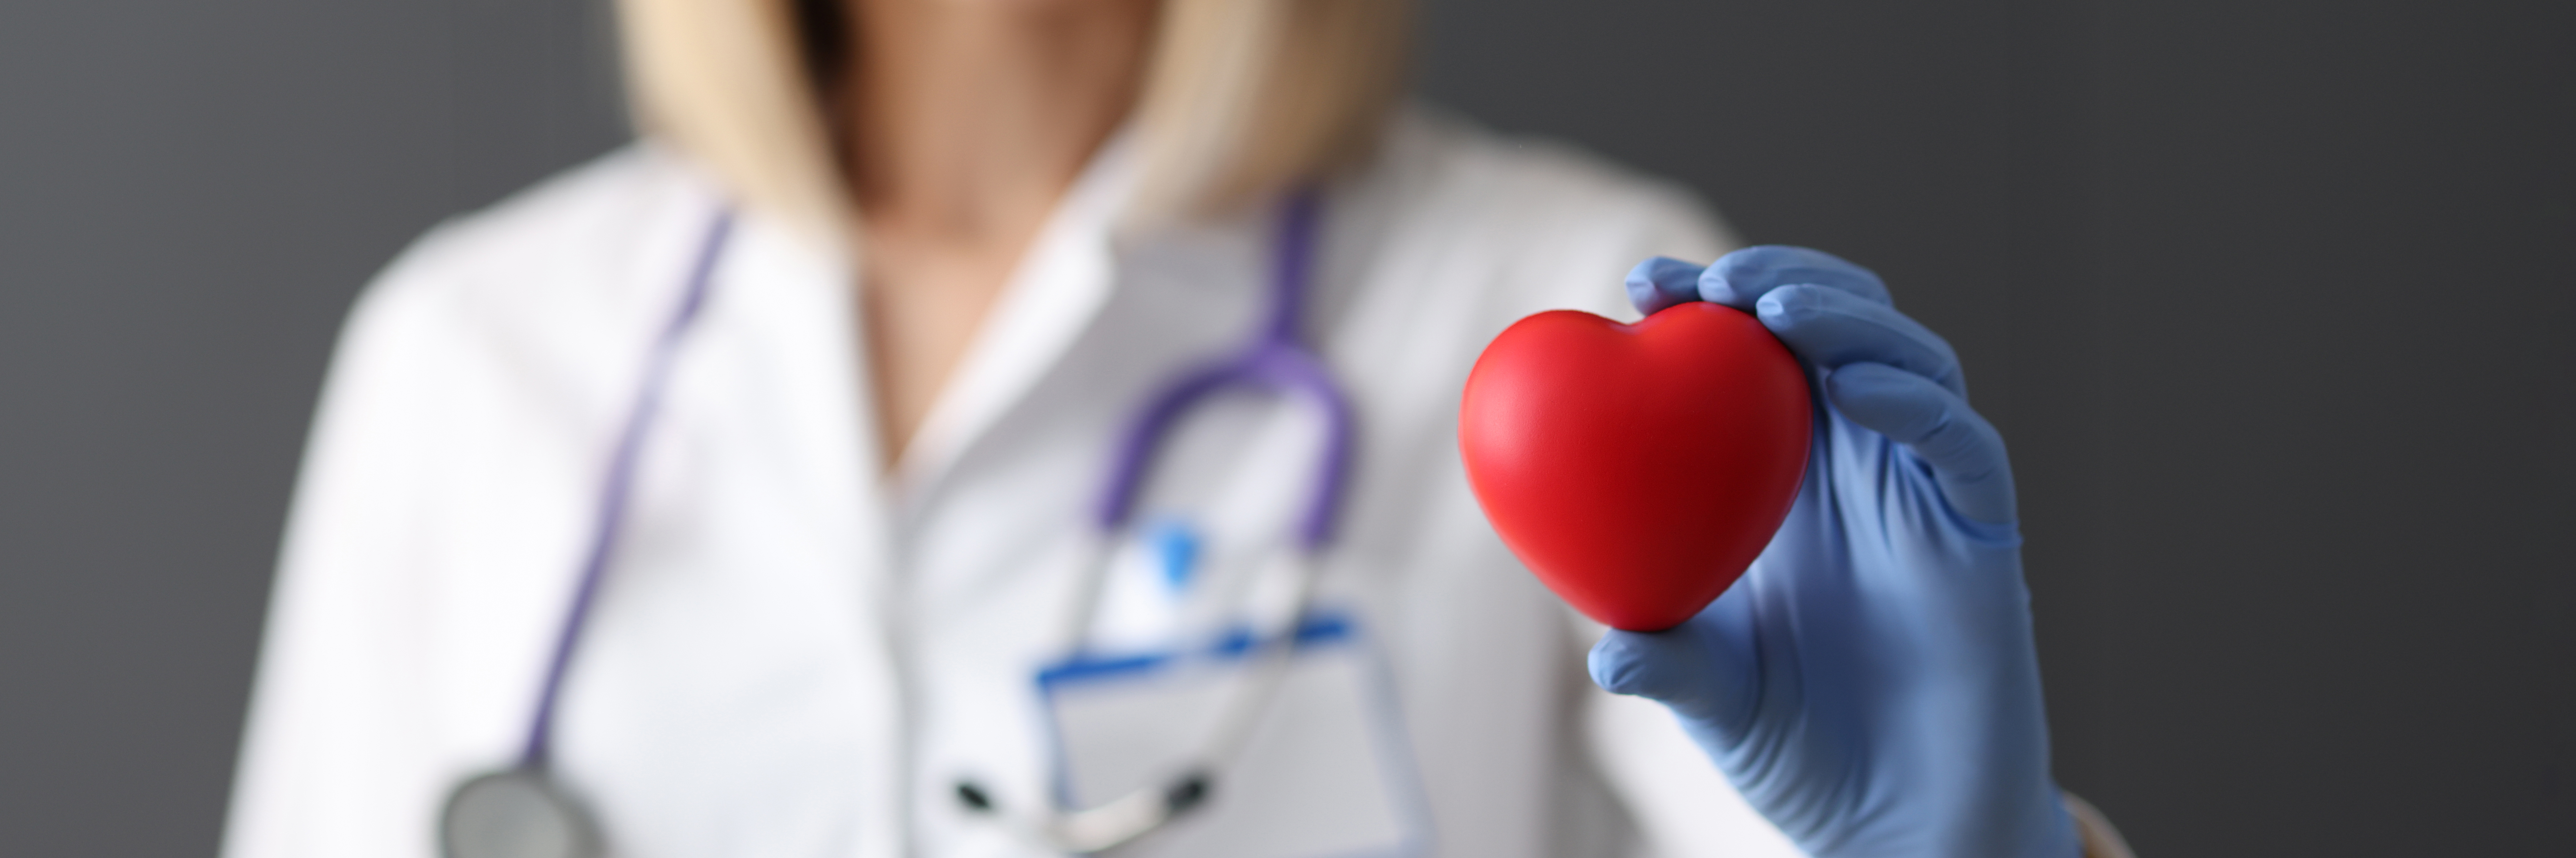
x: 619, y: 484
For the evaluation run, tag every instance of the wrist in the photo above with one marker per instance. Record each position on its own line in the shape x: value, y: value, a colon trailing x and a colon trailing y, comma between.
x: 2016, y: 821
x: 2094, y: 831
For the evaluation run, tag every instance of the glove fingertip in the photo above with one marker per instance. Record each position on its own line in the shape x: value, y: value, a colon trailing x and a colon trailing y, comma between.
x: 1662, y: 282
x: 1618, y: 665
x: 1738, y: 279
x: 1782, y: 309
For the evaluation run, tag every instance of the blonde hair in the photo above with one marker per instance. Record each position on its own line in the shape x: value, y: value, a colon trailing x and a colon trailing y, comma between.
x: 1241, y: 97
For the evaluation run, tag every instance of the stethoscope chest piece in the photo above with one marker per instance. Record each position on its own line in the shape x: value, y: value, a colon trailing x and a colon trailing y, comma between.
x: 514, y: 813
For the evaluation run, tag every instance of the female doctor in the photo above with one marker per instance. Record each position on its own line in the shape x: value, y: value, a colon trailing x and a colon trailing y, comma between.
x: 1026, y: 427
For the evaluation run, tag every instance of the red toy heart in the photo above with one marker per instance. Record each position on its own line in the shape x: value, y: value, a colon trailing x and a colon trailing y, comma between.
x: 1637, y: 469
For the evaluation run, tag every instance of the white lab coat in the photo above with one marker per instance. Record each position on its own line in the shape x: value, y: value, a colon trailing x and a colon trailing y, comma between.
x: 796, y: 653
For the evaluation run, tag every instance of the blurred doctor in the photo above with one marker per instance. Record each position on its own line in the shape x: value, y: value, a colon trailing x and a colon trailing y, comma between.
x: 889, y: 280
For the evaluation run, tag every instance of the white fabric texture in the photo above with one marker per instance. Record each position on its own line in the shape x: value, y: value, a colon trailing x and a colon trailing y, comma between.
x: 796, y: 653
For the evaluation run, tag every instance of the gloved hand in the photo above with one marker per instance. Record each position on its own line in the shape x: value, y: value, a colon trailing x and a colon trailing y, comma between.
x: 1870, y: 684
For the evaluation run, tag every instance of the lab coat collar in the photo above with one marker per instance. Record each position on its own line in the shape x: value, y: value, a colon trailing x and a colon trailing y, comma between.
x: 1059, y: 286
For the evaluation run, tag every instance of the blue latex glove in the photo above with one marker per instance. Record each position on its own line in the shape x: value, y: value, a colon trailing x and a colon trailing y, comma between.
x: 1870, y: 685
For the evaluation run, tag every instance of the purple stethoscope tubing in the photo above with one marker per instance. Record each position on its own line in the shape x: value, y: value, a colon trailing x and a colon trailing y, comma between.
x: 1276, y: 360
x: 619, y: 485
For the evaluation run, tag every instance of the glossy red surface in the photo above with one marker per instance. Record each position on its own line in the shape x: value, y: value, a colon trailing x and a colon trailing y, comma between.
x: 1636, y: 469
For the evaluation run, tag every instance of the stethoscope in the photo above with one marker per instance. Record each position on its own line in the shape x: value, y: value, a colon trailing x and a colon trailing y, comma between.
x: 522, y: 812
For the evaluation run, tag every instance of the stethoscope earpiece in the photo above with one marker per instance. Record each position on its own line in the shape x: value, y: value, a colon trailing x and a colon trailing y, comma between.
x: 973, y: 797
x: 1186, y: 793
x: 1086, y: 831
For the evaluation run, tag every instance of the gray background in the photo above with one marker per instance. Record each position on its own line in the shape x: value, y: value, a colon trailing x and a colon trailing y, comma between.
x: 2272, y: 298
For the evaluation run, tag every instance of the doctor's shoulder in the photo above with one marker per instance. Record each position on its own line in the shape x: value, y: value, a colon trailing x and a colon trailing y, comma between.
x: 545, y: 287
x: 1544, y: 224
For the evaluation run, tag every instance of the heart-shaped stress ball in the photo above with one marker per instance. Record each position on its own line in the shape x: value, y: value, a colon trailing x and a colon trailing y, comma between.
x: 1637, y: 469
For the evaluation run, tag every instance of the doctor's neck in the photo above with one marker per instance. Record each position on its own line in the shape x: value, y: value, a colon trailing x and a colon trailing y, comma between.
x: 962, y: 122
